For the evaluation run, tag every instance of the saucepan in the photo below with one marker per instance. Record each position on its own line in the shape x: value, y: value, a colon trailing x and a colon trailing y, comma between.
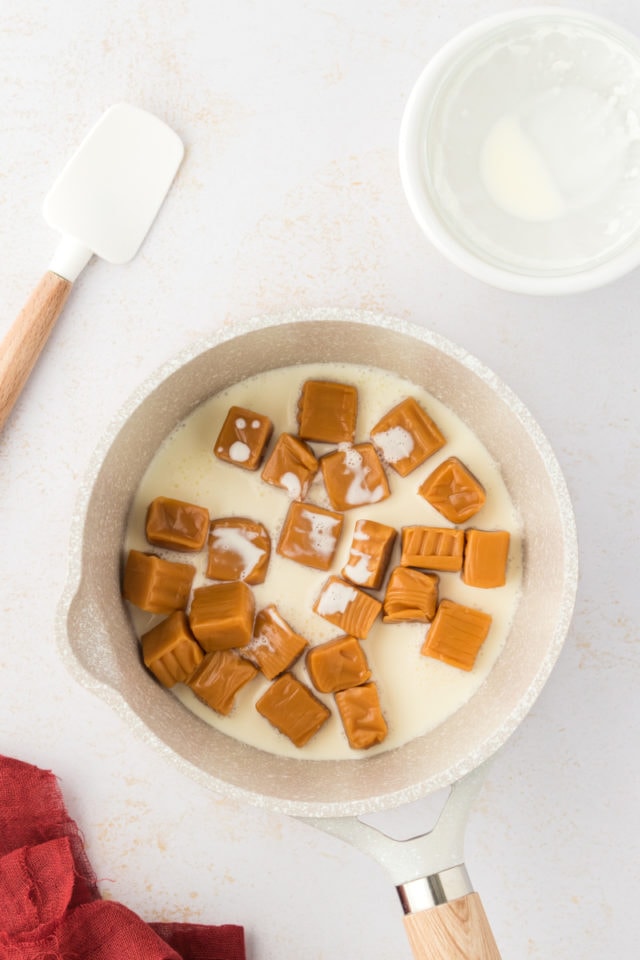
x: 443, y: 914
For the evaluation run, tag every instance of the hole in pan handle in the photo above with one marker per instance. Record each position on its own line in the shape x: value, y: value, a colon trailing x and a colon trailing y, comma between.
x: 443, y: 915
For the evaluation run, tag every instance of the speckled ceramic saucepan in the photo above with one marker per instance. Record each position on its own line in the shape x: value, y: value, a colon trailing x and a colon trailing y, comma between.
x: 444, y: 918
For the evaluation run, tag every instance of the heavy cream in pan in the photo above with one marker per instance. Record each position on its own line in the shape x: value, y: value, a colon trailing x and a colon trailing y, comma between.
x: 417, y: 693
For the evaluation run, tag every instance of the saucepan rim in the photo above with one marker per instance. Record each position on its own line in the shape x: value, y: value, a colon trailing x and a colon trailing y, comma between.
x: 385, y: 796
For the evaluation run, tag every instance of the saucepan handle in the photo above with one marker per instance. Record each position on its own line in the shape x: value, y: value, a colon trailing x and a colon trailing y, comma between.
x: 443, y: 915
x: 456, y: 930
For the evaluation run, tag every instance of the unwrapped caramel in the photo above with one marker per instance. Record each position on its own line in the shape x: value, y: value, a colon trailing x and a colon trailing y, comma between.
x: 221, y: 615
x: 176, y: 525
x: 456, y: 634
x: 156, y: 585
x: 291, y: 465
x: 219, y: 677
x: 453, y: 490
x: 411, y: 596
x: 337, y: 664
x: 354, y: 477
x: 361, y: 716
x: 310, y: 535
x: 275, y: 646
x: 170, y: 650
x: 327, y: 412
x: 369, y: 555
x: 293, y: 709
x: 239, y: 549
x: 347, y: 607
x: 485, y: 558
x: 432, y: 548
x: 243, y: 438
x: 406, y: 436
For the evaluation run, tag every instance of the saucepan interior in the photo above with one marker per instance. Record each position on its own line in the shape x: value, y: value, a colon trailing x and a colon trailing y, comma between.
x: 96, y: 635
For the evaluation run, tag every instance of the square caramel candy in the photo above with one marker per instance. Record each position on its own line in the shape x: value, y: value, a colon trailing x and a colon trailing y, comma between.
x: 432, y: 548
x: 456, y: 634
x: 406, y: 436
x: 411, y: 596
x: 293, y: 709
x: 156, y: 585
x: 170, y: 650
x: 337, y: 664
x: 453, y: 490
x: 354, y: 477
x: 219, y: 677
x: 221, y: 615
x: 291, y: 465
x: 369, y: 554
x: 361, y: 715
x: 327, y: 412
x: 310, y: 535
x: 239, y: 549
x: 243, y: 438
x: 275, y: 646
x: 176, y: 525
x: 485, y: 558
x: 349, y: 608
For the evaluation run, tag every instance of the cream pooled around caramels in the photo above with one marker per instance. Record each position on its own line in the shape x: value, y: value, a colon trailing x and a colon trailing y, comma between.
x: 415, y: 692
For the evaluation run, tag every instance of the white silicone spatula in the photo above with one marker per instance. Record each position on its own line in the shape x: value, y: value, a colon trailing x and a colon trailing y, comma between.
x: 103, y: 203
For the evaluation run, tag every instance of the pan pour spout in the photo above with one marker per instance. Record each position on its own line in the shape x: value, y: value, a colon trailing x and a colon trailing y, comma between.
x: 443, y: 915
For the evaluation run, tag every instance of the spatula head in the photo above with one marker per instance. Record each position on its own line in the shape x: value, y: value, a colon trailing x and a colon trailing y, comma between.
x: 110, y: 191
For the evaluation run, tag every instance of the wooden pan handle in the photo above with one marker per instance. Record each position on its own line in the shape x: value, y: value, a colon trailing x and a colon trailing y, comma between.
x: 457, y: 930
x: 24, y: 342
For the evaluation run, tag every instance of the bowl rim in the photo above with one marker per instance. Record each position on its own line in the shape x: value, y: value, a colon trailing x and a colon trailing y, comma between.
x: 414, y: 117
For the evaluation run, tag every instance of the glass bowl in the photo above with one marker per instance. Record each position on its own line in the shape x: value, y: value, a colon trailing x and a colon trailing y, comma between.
x: 520, y: 151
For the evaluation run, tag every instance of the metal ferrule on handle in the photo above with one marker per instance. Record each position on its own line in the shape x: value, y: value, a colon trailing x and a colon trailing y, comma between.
x: 427, y: 892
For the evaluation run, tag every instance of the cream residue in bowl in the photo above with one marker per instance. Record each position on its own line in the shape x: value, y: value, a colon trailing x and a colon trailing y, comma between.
x: 532, y: 148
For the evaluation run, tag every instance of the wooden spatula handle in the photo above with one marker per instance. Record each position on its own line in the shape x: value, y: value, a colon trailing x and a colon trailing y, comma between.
x: 457, y: 930
x: 24, y: 342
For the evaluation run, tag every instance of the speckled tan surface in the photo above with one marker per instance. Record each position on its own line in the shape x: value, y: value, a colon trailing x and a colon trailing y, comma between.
x: 289, y: 198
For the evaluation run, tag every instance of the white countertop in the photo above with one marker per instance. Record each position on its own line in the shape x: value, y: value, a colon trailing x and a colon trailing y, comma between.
x: 289, y: 196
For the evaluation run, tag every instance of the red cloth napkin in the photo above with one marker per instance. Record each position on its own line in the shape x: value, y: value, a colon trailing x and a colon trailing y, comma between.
x: 50, y: 907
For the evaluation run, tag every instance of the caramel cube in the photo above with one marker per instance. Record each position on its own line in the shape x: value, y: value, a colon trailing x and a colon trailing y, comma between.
x: 411, y: 596
x: 156, y: 585
x: 170, y: 650
x: 293, y: 709
x: 243, y: 438
x: 221, y: 615
x: 327, y: 412
x: 310, y: 535
x: 176, y: 525
x: 453, y: 490
x: 456, y: 634
x: 349, y: 608
x: 369, y: 554
x: 291, y: 465
x: 337, y: 664
x: 406, y: 436
x: 239, y: 549
x: 274, y: 646
x: 361, y: 716
x: 219, y: 678
x: 432, y: 548
x: 485, y: 558
x: 354, y: 477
